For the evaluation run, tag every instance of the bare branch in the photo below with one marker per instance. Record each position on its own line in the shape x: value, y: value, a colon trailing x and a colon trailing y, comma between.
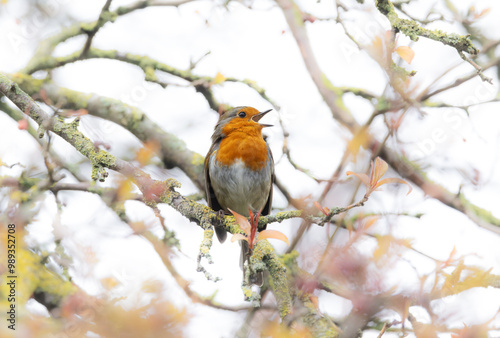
x: 328, y: 91
x: 47, y: 46
x: 99, y: 23
x: 332, y: 97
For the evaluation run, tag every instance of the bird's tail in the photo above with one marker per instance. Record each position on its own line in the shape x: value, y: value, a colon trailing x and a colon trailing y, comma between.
x: 221, y: 233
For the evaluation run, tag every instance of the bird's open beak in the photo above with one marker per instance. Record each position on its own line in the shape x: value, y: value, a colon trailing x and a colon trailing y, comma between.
x: 257, y: 117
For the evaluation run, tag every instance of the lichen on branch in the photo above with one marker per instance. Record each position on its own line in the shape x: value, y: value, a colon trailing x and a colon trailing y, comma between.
x: 68, y: 131
x: 413, y: 30
x: 264, y: 252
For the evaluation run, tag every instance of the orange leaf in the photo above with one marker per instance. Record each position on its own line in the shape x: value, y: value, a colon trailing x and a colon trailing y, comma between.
x: 272, y: 234
x: 378, y: 170
x: 324, y: 210
x: 393, y: 180
x: 363, y: 177
x: 406, y: 53
x: 242, y: 222
x: 314, y: 301
x: 482, y: 13
x: 145, y: 154
x: 368, y: 222
x: 238, y: 237
x: 451, y: 258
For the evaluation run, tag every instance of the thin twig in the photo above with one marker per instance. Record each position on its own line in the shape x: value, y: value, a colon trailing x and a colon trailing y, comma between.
x: 477, y: 67
x: 100, y: 22
x: 461, y: 80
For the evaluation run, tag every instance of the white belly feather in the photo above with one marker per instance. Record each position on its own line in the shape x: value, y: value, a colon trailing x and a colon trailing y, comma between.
x: 239, y: 188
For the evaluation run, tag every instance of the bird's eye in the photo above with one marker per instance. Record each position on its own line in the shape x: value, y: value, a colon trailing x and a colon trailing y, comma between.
x: 242, y: 114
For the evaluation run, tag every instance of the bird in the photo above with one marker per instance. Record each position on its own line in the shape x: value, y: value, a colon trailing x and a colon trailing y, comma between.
x: 239, y: 167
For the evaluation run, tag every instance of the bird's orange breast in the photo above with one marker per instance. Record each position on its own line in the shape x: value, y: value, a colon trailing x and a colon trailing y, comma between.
x: 243, y: 142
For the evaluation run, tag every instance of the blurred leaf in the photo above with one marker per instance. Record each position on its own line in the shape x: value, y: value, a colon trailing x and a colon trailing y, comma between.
x: 242, y: 222
x: 393, y: 180
x: 146, y: 153
x: 32, y: 275
x: 239, y: 237
x: 363, y: 177
x: 152, y: 286
x: 451, y: 258
x: 73, y: 113
x: 464, y: 278
x: 138, y: 227
x: 471, y: 10
x: 376, y: 49
x: 472, y: 331
x: 367, y: 222
x: 219, y: 78
x: 359, y: 140
x: 384, y: 243
x: 17, y: 196
x: 406, y: 53
x: 109, y: 283
x: 381, y: 48
x: 482, y: 13
x: 108, y: 318
x: 277, y: 330
x: 274, y: 234
x: 124, y: 191
x: 377, y: 170
x: 315, y: 302
x: 324, y: 210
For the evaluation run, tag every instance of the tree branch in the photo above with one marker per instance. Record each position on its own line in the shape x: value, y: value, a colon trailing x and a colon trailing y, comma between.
x: 46, y: 47
x: 153, y: 191
x: 331, y: 94
x: 404, y: 168
x: 173, y: 150
x: 413, y: 30
x: 104, y: 17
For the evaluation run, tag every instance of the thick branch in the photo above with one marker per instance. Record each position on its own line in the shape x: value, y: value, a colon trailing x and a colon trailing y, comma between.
x: 264, y: 252
x: 174, y: 151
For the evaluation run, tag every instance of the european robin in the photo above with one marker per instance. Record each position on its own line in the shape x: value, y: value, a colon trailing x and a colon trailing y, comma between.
x: 239, y: 167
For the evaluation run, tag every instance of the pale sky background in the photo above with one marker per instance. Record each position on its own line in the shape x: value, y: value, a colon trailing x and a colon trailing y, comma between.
x: 257, y: 44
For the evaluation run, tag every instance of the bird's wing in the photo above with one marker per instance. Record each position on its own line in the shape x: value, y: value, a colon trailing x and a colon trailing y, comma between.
x: 267, y: 208
x: 210, y: 196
